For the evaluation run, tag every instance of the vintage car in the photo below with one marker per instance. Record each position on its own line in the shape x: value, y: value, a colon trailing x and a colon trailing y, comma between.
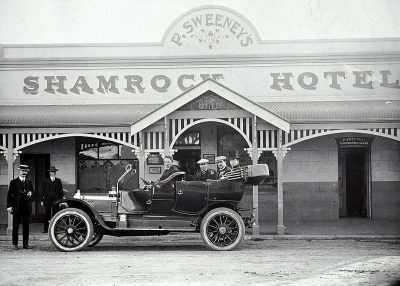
x: 172, y: 205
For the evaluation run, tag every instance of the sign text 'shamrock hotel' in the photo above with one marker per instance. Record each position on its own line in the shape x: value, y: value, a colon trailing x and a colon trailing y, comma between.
x: 324, y: 115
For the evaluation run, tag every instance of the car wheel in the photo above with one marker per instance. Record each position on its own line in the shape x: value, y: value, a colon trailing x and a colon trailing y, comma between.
x: 71, y: 230
x: 96, y: 239
x: 222, y: 229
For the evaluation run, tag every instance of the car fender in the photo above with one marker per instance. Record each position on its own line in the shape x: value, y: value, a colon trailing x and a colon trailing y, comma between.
x: 84, y: 206
x: 227, y: 204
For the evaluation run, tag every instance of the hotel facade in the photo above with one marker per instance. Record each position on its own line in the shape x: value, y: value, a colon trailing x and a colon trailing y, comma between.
x: 323, y: 114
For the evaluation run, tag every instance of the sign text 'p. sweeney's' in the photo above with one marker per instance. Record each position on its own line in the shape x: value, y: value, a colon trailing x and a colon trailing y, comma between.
x: 131, y: 83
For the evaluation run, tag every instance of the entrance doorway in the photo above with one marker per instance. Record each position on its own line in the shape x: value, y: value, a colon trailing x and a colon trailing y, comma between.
x: 38, y: 164
x: 187, y: 159
x: 354, y: 190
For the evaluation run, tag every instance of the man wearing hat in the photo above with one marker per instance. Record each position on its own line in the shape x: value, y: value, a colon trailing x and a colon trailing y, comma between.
x: 222, y: 167
x: 18, y: 201
x: 52, y: 191
x: 204, y: 173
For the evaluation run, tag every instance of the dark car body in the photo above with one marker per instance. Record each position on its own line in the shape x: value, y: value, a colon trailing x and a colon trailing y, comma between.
x: 172, y: 205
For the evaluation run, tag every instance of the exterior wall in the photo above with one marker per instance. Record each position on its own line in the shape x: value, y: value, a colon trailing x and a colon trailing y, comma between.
x: 385, y: 171
x: 310, y: 187
x: 310, y: 180
x: 3, y: 189
x: 62, y: 155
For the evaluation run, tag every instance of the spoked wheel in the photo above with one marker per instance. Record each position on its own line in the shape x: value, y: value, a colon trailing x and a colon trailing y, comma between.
x: 71, y: 230
x: 97, y: 236
x: 222, y: 229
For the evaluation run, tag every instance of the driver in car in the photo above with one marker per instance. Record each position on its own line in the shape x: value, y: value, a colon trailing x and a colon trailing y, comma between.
x: 169, y: 169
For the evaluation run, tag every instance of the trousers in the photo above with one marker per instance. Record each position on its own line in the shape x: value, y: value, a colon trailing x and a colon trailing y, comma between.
x: 17, y: 219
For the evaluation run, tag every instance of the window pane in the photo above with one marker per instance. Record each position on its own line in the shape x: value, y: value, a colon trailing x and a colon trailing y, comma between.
x: 108, y: 151
x: 98, y: 176
x: 189, y: 139
x: 87, y: 150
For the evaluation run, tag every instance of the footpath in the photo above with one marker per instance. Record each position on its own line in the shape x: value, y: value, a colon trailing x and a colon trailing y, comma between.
x: 344, y: 228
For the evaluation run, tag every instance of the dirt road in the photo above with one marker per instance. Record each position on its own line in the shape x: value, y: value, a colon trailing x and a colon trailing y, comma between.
x: 123, y: 261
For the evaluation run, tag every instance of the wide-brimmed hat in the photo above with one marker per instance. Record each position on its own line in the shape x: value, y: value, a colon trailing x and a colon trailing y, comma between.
x: 23, y: 168
x: 202, y: 161
x: 53, y: 169
x: 220, y: 158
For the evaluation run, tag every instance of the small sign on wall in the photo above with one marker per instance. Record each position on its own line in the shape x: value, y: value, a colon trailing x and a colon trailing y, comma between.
x: 354, y: 141
x: 155, y: 159
x: 154, y: 170
x: 210, y: 158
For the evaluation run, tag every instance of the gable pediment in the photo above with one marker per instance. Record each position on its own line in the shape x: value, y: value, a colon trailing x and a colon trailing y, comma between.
x: 209, y: 101
x: 208, y: 90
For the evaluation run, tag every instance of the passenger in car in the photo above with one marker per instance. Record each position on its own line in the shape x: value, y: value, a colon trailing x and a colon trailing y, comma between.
x: 204, y: 173
x: 234, y: 162
x: 222, y: 167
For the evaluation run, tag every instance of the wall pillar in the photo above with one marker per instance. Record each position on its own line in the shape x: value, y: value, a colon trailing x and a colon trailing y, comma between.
x: 142, y: 158
x: 10, y: 173
x: 279, y: 157
x: 254, y: 156
x: 166, y: 136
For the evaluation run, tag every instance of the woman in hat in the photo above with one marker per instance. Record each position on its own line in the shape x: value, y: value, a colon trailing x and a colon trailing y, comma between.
x: 52, y: 191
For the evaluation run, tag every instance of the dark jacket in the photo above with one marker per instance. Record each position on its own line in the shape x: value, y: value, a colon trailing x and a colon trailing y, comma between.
x: 169, y: 172
x: 223, y: 172
x: 204, y: 176
x: 17, y: 196
x: 52, y: 191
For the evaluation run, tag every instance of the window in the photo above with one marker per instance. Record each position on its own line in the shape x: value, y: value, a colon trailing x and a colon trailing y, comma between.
x: 101, y: 163
x: 191, y: 138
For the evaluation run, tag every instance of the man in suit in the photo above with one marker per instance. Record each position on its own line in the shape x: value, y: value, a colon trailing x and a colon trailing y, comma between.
x: 18, y: 201
x: 169, y: 169
x: 52, y: 191
x: 204, y: 173
x: 222, y: 167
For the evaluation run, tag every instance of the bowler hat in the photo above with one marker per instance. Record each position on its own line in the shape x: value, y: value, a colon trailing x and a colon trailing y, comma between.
x: 53, y: 169
x: 23, y: 167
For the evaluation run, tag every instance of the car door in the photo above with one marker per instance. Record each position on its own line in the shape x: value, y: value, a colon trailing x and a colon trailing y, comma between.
x: 191, y: 196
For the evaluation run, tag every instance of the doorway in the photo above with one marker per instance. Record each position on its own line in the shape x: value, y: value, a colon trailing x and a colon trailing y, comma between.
x: 38, y: 164
x: 187, y: 159
x: 354, y: 189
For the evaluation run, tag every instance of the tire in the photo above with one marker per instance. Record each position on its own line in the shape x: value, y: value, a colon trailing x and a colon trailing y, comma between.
x: 71, y: 230
x: 96, y: 239
x: 222, y: 229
